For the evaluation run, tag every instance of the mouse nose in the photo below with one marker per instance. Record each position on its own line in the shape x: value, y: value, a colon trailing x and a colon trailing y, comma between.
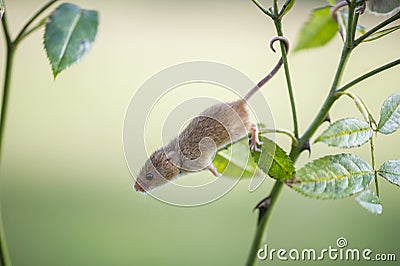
x: 139, y: 187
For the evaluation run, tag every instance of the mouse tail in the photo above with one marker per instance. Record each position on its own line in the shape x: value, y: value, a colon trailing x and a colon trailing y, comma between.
x: 273, y: 71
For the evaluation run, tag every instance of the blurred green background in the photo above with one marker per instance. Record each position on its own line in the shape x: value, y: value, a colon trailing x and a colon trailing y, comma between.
x: 66, y: 193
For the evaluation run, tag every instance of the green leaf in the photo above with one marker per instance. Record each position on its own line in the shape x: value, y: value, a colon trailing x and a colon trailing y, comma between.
x: 287, y: 6
x: 382, y: 33
x: 390, y: 170
x: 274, y: 161
x: 70, y: 32
x: 318, y: 30
x: 235, y: 161
x: 333, y: 177
x: 346, y: 133
x: 390, y: 114
x: 370, y: 201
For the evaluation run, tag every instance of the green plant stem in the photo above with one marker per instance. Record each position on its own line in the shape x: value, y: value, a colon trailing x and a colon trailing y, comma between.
x: 265, y: 11
x: 376, y: 28
x: 319, y: 119
x: 361, y: 106
x: 349, y: 31
x: 276, y: 9
x: 4, y: 258
x: 280, y: 131
x: 6, y: 31
x: 332, y: 97
x: 275, y: 192
x: 32, y: 19
x: 372, y: 147
x: 262, y: 225
x: 297, y: 149
x: 10, y: 53
x: 278, y: 26
x: 369, y: 74
x: 30, y: 31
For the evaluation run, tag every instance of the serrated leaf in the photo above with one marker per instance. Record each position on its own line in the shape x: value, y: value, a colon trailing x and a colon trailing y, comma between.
x: 70, y: 32
x: 318, y: 30
x: 390, y: 170
x: 235, y: 161
x: 274, y: 161
x: 333, y: 177
x: 389, y: 120
x: 370, y: 201
x: 346, y: 133
x: 379, y: 34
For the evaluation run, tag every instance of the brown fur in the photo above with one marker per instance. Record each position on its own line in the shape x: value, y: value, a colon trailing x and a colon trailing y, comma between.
x: 222, y: 123
x: 193, y: 150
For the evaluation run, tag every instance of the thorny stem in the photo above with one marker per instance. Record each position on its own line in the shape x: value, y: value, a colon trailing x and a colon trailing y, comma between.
x: 346, y: 51
x: 10, y: 52
x: 275, y: 192
x: 318, y: 120
x: 262, y: 225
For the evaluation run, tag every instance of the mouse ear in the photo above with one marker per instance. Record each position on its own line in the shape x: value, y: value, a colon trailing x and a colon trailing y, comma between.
x: 172, y: 157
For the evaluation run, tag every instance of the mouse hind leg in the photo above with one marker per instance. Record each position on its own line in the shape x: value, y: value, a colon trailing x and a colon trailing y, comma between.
x: 254, y: 140
x: 213, y: 170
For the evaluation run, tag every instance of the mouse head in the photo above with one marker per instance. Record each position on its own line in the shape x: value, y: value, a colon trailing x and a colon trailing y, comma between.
x: 157, y: 170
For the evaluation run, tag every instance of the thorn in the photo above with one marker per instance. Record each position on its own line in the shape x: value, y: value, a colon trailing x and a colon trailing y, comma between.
x: 263, y: 207
x: 306, y: 147
x: 290, y: 182
x: 327, y: 118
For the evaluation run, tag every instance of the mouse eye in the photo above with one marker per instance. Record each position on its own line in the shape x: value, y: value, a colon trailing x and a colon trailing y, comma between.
x: 149, y: 176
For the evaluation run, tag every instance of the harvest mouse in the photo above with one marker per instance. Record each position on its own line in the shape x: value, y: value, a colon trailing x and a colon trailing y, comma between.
x: 195, y: 147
